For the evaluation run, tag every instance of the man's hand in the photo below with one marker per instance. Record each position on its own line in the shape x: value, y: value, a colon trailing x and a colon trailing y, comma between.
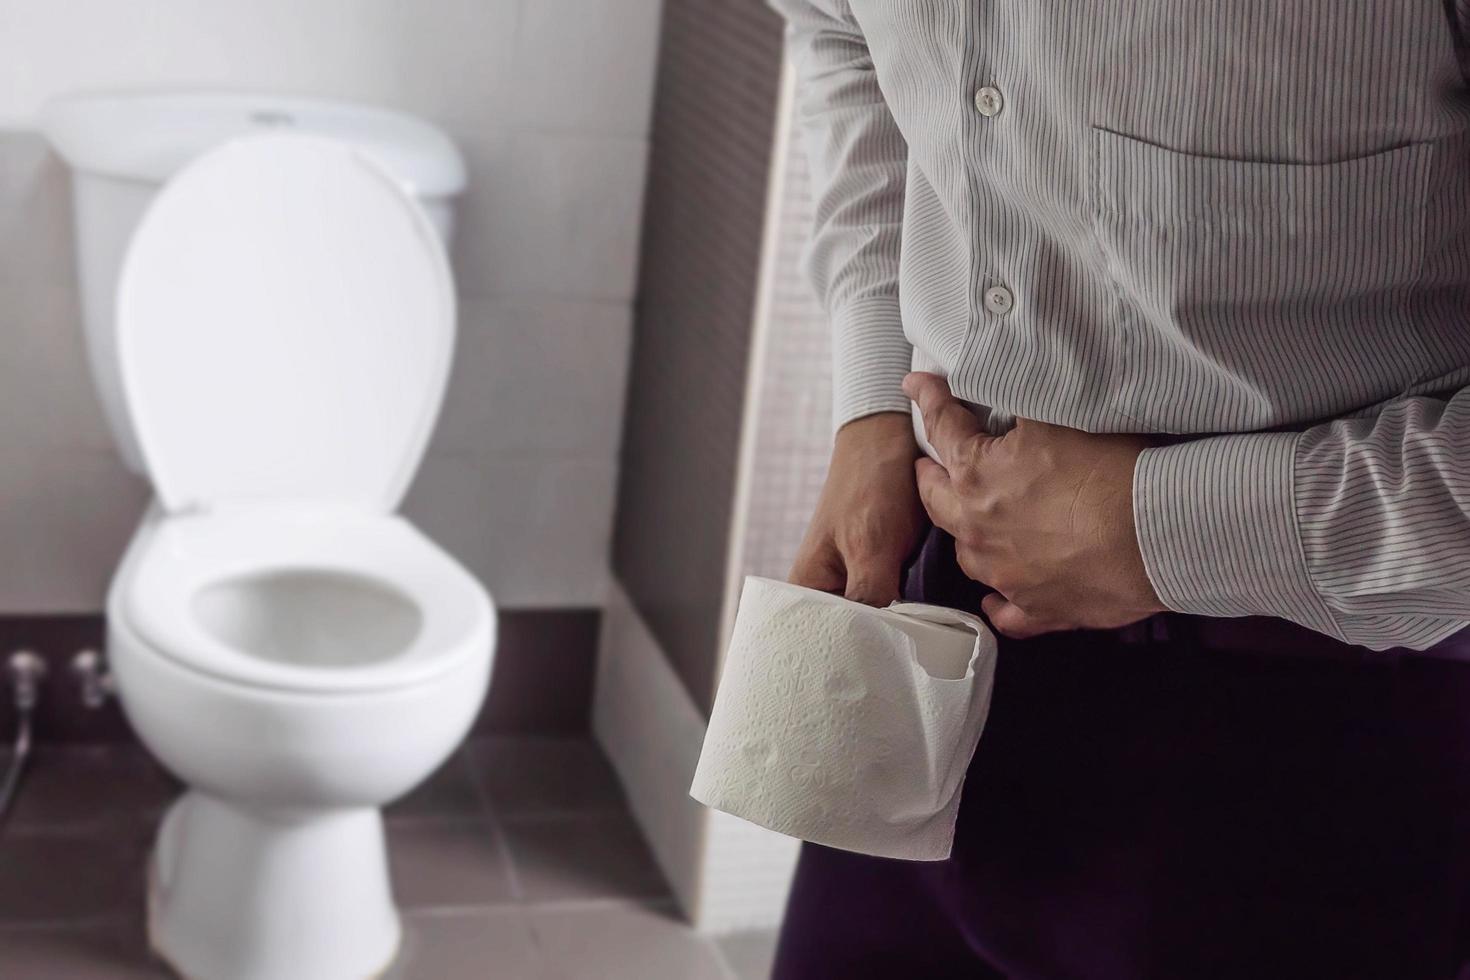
x: 1042, y: 514
x: 869, y: 518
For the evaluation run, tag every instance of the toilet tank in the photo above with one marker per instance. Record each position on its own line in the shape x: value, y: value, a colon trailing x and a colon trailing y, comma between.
x: 123, y: 148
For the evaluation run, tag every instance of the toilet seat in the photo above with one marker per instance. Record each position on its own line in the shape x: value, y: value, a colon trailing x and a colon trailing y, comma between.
x: 364, y: 558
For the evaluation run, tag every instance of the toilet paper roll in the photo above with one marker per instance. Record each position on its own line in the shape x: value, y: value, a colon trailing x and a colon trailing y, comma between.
x: 847, y: 725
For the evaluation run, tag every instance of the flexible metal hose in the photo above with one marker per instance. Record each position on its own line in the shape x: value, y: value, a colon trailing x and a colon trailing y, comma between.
x: 18, y: 756
x: 26, y: 670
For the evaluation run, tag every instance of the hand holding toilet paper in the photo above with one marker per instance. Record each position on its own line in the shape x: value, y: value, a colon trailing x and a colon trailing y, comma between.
x: 847, y: 725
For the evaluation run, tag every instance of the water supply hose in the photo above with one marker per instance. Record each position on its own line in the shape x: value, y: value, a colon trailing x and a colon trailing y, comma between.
x: 26, y: 670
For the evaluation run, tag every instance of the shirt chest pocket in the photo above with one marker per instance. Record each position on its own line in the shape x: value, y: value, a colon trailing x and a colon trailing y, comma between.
x: 1203, y: 247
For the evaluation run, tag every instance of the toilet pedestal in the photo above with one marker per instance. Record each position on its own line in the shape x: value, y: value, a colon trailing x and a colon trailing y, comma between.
x: 249, y: 894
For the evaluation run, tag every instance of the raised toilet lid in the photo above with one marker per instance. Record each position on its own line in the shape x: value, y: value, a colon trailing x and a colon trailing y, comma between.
x: 285, y: 325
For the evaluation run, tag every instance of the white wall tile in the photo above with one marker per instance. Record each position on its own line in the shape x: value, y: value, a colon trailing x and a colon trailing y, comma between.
x: 536, y: 375
x: 65, y: 517
x: 560, y: 219
x: 46, y: 394
x: 587, y: 65
x: 35, y: 214
x: 448, y: 58
x: 478, y: 220
x: 535, y: 529
x: 458, y: 60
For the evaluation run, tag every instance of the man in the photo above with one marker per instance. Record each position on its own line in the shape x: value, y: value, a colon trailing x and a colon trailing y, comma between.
x: 1213, y: 260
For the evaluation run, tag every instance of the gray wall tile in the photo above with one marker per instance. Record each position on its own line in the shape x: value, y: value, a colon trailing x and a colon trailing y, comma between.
x: 719, y: 66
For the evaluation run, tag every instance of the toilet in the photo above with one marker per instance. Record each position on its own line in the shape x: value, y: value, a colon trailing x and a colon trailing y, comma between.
x: 295, y: 652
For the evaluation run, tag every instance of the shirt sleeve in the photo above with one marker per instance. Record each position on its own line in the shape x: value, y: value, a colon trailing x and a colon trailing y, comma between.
x: 858, y: 160
x: 1358, y: 528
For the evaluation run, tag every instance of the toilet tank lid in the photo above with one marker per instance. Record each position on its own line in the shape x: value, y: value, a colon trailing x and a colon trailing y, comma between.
x: 151, y: 136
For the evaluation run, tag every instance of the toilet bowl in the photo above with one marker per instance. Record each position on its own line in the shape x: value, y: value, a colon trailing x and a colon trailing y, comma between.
x: 292, y: 650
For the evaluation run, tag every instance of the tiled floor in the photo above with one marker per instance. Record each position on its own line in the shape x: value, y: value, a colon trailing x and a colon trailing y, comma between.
x: 516, y: 861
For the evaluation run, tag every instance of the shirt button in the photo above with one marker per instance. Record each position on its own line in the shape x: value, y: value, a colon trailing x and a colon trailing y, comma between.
x: 998, y: 300
x: 988, y: 101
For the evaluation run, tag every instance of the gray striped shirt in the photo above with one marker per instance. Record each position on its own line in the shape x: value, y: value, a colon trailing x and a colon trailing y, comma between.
x: 1247, y: 223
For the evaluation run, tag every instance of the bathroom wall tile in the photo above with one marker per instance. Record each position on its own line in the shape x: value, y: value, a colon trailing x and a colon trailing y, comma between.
x: 535, y: 529
x: 587, y: 65
x: 454, y: 60
x: 35, y: 213
x: 115, y: 950
x: 582, y: 856
x: 537, y: 375
x: 628, y: 943
x: 100, y: 788
x: 67, y: 516
x: 536, y: 775
x: 53, y: 878
x: 439, y: 57
x: 448, y: 864
x: 560, y: 219
x: 45, y: 388
x: 749, y: 955
x: 269, y: 44
x: 468, y: 946
x: 486, y: 151
x: 449, y: 792
x: 545, y: 661
x: 46, y: 393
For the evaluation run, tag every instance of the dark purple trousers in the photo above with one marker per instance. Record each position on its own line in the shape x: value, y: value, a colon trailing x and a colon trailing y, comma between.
x: 1186, y: 799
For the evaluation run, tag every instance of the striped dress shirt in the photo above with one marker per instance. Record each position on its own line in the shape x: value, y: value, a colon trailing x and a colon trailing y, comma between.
x: 1242, y: 226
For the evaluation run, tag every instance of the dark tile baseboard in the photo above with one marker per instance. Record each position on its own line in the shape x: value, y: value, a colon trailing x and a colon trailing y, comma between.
x: 545, y: 662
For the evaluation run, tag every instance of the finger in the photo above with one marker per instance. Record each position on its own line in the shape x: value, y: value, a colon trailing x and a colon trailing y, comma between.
x: 948, y: 422
x: 872, y: 581
x: 938, y: 495
x: 818, y: 568
x: 1011, y: 620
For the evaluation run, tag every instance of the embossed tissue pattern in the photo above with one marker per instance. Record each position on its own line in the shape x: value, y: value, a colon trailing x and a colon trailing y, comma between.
x: 827, y: 728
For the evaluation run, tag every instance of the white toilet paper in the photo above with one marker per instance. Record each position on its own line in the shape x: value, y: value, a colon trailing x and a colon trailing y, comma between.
x: 847, y: 725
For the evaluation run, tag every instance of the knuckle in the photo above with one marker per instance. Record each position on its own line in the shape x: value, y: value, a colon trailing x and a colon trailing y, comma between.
x: 971, y: 529
x: 971, y: 564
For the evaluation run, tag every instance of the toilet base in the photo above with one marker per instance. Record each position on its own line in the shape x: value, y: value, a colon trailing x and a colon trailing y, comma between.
x: 243, y: 894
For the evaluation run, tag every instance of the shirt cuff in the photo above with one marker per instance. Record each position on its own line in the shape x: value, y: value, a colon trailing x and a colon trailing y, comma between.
x: 870, y: 356
x: 1216, y: 523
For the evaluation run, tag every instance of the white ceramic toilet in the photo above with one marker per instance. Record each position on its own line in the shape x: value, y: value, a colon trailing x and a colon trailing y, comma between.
x: 293, y: 651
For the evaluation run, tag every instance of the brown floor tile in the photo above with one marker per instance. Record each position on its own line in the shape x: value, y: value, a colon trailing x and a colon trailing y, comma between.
x: 52, y: 878
x: 526, y: 775
x: 449, y: 792
x: 468, y: 946
x: 582, y: 856
x: 441, y: 863
x: 749, y: 954
x: 623, y: 943
x: 102, y: 951
x: 82, y: 787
